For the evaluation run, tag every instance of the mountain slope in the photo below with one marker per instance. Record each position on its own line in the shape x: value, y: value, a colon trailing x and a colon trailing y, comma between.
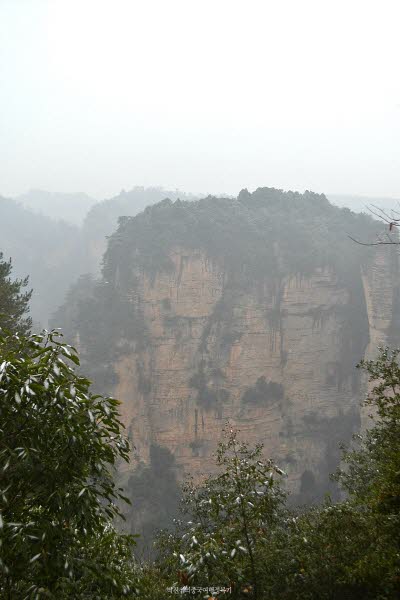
x: 71, y: 208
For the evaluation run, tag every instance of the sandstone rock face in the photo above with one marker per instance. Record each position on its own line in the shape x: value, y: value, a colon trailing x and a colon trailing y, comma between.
x: 381, y: 288
x: 381, y: 285
x: 211, y: 347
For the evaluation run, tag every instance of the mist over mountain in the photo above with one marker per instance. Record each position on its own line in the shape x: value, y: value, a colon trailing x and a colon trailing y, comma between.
x: 80, y: 209
x: 50, y: 252
x: 46, y: 244
x: 71, y: 208
x: 56, y: 237
x: 363, y: 203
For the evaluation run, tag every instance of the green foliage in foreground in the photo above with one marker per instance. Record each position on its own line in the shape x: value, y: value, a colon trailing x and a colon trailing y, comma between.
x: 59, y: 446
x: 231, y: 517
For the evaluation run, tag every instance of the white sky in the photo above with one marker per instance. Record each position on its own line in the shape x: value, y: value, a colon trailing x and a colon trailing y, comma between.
x: 205, y: 96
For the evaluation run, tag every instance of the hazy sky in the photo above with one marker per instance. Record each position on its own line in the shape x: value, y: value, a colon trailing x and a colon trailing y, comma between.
x: 205, y: 96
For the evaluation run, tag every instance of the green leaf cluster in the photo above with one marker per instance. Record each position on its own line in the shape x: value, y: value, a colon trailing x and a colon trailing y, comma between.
x: 59, y: 447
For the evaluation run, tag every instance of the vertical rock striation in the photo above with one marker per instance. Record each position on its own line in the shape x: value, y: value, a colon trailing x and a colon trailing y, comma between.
x: 207, y: 349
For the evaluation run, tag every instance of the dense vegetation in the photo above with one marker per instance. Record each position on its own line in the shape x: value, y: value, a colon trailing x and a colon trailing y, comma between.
x: 59, y: 447
x: 264, y: 234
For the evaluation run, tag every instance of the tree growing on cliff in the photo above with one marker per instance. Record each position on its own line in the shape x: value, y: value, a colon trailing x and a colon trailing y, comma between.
x: 13, y: 300
x: 59, y: 445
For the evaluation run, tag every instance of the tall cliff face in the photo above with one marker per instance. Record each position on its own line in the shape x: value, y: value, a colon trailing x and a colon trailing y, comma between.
x: 259, y: 321
x: 275, y: 362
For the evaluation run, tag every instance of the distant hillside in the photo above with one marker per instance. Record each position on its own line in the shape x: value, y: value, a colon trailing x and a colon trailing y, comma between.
x: 102, y: 219
x: 55, y: 252
x: 50, y: 252
x: 71, y: 208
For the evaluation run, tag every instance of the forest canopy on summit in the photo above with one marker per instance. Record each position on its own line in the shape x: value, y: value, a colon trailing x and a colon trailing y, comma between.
x: 263, y: 234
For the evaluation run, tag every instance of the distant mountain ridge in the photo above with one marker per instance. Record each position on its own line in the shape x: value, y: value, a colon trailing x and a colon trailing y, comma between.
x: 71, y: 208
x: 79, y: 208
